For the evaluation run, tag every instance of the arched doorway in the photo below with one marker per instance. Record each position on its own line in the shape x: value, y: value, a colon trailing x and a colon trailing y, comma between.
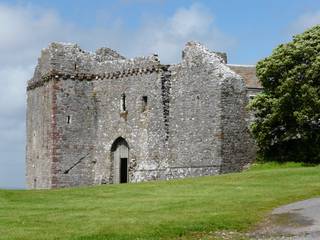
x: 120, y: 156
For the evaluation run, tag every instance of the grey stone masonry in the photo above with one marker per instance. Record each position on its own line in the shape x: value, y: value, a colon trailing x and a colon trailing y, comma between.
x: 99, y: 118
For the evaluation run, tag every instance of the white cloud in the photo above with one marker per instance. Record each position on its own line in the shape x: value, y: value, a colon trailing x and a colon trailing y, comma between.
x: 25, y: 30
x: 167, y: 37
x: 305, y: 21
x: 188, y: 21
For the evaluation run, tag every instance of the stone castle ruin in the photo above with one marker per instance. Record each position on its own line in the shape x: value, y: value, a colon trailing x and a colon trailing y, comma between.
x: 99, y: 118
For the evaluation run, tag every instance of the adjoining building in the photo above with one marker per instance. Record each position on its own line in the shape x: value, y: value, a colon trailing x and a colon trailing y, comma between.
x: 98, y: 118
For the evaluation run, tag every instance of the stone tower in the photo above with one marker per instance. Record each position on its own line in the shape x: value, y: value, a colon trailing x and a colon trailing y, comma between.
x: 97, y: 118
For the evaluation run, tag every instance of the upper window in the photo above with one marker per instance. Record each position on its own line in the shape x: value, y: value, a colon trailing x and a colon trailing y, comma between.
x: 123, y: 106
x: 144, y: 103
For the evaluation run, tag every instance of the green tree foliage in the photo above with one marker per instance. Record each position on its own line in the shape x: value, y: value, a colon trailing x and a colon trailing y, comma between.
x: 287, y: 124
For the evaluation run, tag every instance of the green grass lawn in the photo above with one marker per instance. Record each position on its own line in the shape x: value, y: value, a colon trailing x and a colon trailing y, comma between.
x: 155, y: 210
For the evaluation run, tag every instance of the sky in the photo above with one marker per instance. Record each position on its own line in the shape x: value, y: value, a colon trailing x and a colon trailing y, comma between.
x: 246, y: 30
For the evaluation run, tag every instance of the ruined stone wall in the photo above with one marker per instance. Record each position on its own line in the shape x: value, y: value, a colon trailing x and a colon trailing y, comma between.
x: 235, y: 138
x: 141, y: 124
x: 208, y: 129
x: 39, y: 137
x: 195, y: 114
x: 58, y: 105
x: 253, y: 87
x: 76, y: 125
x: 174, y: 121
x: 86, y: 117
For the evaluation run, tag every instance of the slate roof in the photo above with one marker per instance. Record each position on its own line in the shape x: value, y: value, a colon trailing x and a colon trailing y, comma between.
x: 248, y: 72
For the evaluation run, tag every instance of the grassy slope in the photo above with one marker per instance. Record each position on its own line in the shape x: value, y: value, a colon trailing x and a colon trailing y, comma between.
x: 154, y: 210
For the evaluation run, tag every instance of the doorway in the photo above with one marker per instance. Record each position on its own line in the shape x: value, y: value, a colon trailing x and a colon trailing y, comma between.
x: 123, y: 170
x: 120, y: 157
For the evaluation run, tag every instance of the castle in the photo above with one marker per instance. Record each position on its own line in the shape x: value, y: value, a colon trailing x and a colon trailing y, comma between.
x: 98, y: 118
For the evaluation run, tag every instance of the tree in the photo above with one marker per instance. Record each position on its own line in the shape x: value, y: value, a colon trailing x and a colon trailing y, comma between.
x: 287, y: 112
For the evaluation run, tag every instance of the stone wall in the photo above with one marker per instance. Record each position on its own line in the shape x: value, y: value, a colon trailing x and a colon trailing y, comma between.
x: 173, y: 121
x: 208, y: 131
x: 235, y: 136
x: 140, y: 124
x: 40, y: 133
x: 195, y: 114
x: 76, y: 124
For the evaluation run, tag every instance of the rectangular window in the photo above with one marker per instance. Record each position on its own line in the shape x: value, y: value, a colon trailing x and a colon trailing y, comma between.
x: 123, y: 103
x: 144, y: 103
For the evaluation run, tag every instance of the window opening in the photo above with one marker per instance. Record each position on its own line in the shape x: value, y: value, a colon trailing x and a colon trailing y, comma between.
x: 144, y: 103
x: 34, y: 183
x: 123, y: 103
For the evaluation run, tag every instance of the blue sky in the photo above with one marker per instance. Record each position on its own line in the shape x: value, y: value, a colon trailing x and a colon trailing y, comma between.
x: 247, y: 30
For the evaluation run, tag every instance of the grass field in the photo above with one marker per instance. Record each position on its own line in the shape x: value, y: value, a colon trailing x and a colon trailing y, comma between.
x: 155, y: 210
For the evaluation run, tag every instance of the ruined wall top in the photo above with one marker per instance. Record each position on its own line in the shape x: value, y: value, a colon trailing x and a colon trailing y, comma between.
x: 195, y: 55
x: 70, y: 59
x: 194, y: 52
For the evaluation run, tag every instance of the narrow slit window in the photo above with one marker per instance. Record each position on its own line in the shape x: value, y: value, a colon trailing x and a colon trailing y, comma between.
x: 123, y: 103
x: 144, y: 103
x: 34, y: 183
x: 68, y: 119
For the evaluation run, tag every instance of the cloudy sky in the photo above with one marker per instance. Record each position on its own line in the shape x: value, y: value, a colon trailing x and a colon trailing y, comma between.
x: 247, y: 30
